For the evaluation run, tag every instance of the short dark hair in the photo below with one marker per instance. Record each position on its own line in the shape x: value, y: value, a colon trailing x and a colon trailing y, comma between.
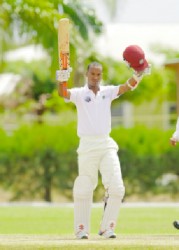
x: 95, y: 65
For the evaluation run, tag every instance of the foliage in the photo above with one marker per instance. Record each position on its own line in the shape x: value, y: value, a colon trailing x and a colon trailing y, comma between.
x: 141, y: 140
x: 41, y: 86
x: 144, y: 158
x: 37, y: 22
x: 169, y: 52
x: 42, y: 160
x: 38, y: 158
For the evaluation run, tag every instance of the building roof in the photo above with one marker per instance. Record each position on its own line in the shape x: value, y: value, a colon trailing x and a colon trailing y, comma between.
x: 173, y: 62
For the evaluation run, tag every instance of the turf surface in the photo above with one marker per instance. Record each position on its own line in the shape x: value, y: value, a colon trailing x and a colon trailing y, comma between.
x: 28, y: 227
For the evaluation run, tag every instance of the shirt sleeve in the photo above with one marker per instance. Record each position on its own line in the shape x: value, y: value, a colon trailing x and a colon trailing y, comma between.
x: 73, y: 95
x: 114, y: 92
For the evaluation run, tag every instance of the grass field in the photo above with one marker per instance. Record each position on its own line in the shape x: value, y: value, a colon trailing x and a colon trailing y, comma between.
x: 31, y: 228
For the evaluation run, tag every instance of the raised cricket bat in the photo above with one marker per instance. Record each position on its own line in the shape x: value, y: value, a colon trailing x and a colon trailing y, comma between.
x: 63, y: 49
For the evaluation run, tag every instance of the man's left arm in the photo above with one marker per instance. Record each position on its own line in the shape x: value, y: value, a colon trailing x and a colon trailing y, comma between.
x: 134, y: 57
x: 133, y: 82
x: 175, y: 137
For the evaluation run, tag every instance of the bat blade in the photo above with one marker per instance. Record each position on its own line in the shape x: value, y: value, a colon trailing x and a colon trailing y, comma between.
x: 63, y: 35
x: 64, y: 49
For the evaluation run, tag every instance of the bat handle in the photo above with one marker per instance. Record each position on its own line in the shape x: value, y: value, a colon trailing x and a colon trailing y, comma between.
x: 63, y: 88
x: 64, y: 64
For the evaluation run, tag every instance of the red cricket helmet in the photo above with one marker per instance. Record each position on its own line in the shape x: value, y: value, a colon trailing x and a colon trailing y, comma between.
x: 135, y: 57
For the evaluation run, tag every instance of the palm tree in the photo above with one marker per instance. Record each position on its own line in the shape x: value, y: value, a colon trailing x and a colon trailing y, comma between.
x: 24, y: 22
x: 37, y: 21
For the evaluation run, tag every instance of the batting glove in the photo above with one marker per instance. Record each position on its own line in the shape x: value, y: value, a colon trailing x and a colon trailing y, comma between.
x: 146, y: 71
x: 175, y: 136
x: 137, y: 76
x: 137, y: 79
x: 63, y: 75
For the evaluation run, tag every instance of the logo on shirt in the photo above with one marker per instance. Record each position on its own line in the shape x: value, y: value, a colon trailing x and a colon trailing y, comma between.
x: 87, y: 99
x: 103, y: 97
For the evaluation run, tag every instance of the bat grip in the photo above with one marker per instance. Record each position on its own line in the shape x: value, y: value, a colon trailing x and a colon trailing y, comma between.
x: 64, y: 63
x: 63, y: 88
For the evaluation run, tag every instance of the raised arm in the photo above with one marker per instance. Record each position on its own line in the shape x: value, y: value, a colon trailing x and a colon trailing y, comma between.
x: 61, y: 77
x: 175, y: 137
x: 134, y: 57
x: 130, y: 84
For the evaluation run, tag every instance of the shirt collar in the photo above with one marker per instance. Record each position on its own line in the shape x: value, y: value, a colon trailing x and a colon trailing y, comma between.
x: 89, y: 90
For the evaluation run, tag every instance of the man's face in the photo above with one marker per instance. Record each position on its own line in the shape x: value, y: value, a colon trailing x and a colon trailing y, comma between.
x: 94, y: 75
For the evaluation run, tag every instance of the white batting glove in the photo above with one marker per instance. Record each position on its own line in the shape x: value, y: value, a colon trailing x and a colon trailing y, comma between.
x: 137, y: 76
x: 63, y: 75
x: 146, y: 71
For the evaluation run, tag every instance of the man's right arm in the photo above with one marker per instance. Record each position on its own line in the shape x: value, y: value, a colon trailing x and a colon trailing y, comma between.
x: 62, y: 77
x: 175, y: 137
x: 133, y: 82
x: 61, y: 92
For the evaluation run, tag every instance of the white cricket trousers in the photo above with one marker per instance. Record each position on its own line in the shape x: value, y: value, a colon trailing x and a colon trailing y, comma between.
x: 97, y: 154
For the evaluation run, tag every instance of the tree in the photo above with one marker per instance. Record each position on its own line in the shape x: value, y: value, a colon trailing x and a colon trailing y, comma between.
x: 36, y: 22
x: 29, y: 21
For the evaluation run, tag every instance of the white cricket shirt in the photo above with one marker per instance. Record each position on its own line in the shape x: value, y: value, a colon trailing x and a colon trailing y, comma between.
x: 93, y: 111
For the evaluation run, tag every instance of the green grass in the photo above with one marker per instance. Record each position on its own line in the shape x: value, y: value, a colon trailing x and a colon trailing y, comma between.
x: 27, y: 228
x: 58, y: 220
x: 36, y: 220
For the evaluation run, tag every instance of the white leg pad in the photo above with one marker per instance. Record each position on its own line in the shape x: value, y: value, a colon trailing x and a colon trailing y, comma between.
x: 82, y: 194
x: 116, y: 193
